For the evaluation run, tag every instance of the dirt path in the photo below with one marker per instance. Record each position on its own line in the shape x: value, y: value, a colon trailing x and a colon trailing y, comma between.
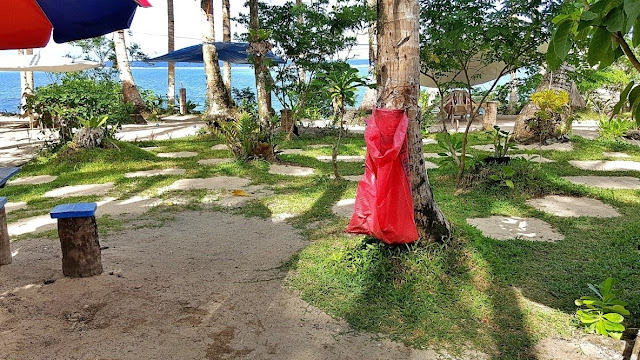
x: 205, y: 286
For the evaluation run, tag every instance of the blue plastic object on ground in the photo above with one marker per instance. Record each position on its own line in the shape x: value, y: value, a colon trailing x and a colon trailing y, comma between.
x: 67, y: 211
x: 6, y: 173
x: 3, y: 202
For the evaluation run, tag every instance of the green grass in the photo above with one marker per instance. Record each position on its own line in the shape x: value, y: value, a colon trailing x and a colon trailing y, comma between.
x: 499, y: 297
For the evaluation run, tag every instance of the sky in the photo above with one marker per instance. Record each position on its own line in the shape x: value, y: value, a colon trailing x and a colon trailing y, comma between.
x: 149, y: 28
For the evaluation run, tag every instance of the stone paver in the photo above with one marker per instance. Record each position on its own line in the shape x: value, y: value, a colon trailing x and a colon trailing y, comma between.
x: 352, y: 177
x: 511, y: 227
x: 431, y: 155
x: 606, y: 182
x: 605, y: 165
x: 615, y: 154
x: 344, y: 208
x: 13, y: 206
x: 487, y: 147
x: 430, y: 165
x: 135, y: 205
x: 212, y: 183
x: 179, y: 154
x: 31, y: 225
x: 290, y: 170
x: 212, y: 162
x: 345, y: 158
x: 429, y: 141
x: 151, y: 148
x: 33, y: 180
x: 567, y: 146
x: 219, y: 147
x: 568, y: 206
x: 158, y: 172
x: 291, y: 152
x: 532, y: 157
x: 79, y: 190
x: 318, y: 146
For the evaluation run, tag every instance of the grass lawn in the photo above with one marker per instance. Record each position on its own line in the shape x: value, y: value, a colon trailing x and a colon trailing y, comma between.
x: 499, y: 297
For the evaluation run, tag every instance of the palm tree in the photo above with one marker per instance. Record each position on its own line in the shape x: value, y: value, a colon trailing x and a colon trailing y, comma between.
x: 219, y: 100
x: 259, y: 48
x: 171, y: 71
x: 398, y: 78
x: 226, y: 37
x: 129, y: 89
x: 26, y: 80
x: 302, y: 75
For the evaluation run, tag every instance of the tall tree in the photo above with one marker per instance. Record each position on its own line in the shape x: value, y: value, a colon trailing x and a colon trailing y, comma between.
x: 26, y: 80
x: 259, y: 48
x: 398, y: 78
x: 171, y: 69
x: 302, y: 74
x: 226, y: 37
x: 219, y: 99
x: 129, y: 88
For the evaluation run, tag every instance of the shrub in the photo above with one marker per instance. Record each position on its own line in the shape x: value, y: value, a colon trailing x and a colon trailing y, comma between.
x: 603, y: 314
x: 551, y: 120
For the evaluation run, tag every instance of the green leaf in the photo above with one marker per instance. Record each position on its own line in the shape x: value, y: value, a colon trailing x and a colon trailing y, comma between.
x: 509, y: 183
x: 508, y: 171
x: 623, y: 98
x: 588, y: 15
x: 614, y: 21
x: 612, y: 326
x: 601, y: 328
x: 636, y: 33
x: 595, y: 290
x: 616, y: 335
x: 552, y: 59
x: 632, y: 9
x: 600, y: 43
x: 561, y: 39
x: 613, y: 317
x: 494, y: 177
x: 607, y: 286
x: 618, y: 309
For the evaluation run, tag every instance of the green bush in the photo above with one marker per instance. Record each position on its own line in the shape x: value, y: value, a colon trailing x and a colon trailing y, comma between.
x: 614, y: 128
x: 59, y: 105
x: 603, y: 314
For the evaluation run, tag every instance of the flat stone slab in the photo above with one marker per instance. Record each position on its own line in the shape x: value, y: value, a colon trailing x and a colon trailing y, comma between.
x: 290, y: 170
x: 232, y: 201
x: 152, y: 148
x: 318, y: 146
x: 31, y: 225
x: 511, y: 227
x: 615, y: 154
x: 487, y: 147
x: 159, y: 172
x: 212, y: 162
x: 345, y: 158
x: 33, y: 180
x: 291, y: 152
x: 13, y: 206
x: 344, y: 208
x: 532, y: 157
x: 568, y: 206
x: 430, y: 165
x: 220, y: 147
x: 134, y: 205
x: 567, y: 146
x: 606, y: 182
x: 429, y: 141
x: 79, y: 190
x: 606, y: 165
x: 212, y: 183
x: 180, y: 154
x: 431, y: 155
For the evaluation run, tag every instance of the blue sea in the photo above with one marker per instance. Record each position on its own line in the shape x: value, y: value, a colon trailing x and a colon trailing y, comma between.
x: 153, y: 77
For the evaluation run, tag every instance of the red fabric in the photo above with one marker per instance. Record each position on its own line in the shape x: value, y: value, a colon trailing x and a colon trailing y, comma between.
x: 384, y: 208
x: 23, y: 25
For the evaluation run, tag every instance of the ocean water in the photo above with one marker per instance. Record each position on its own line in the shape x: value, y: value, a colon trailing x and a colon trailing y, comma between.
x: 153, y: 77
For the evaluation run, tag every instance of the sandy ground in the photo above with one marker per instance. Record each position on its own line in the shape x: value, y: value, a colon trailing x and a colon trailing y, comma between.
x: 205, y: 286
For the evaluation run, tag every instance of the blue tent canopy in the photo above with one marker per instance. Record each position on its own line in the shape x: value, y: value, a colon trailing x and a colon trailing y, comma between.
x: 235, y: 52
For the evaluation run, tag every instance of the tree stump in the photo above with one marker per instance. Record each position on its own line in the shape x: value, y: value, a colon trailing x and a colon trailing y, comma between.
x: 286, y: 120
x: 5, y: 247
x: 490, y: 115
x: 78, y: 233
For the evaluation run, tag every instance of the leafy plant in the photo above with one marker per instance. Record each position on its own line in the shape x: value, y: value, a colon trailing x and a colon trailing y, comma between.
x: 501, y: 142
x: 614, y: 128
x: 92, y: 133
x: 604, y: 313
x: 244, y: 138
x: 548, y: 120
x: 451, y: 147
x: 504, y: 177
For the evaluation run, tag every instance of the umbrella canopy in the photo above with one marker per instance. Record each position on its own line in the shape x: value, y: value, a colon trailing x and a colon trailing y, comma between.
x: 37, y: 62
x: 26, y: 24
x: 479, y: 73
x: 235, y: 52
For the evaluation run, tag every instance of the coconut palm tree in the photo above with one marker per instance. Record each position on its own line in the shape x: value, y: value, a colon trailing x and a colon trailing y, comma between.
x: 226, y: 37
x: 259, y: 47
x: 129, y: 89
x: 398, y: 78
x: 171, y: 70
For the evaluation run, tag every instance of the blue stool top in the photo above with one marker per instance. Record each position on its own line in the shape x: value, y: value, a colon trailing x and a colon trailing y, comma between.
x: 3, y: 202
x: 6, y: 173
x: 66, y: 211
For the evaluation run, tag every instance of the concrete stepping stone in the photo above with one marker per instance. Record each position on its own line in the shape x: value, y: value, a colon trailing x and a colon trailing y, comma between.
x: 345, y: 158
x: 151, y: 148
x: 291, y: 152
x: 134, y: 205
x: 31, y: 225
x: 233, y: 201
x: 290, y: 170
x: 176, y: 155
x: 212, y: 162
x: 33, y: 180
x: 615, y: 154
x: 511, y: 227
x: 431, y: 155
x: 487, y: 147
x: 219, y: 147
x: 158, y: 172
x: 567, y: 146
x: 79, y: 190
x: 430, y: 165
x: 319, y: 146
x: 13, y: 206
x: 532, y: 157
x: 344, y: 208
x: 429, y: 141
x: 569, y: 206
x: 605, y: 165
x: 606, y: 182
x: 212, y: 183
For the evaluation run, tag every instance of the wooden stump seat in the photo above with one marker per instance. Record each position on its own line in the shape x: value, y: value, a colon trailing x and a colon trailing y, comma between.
x: 78, y: 233
x: 5, y: 248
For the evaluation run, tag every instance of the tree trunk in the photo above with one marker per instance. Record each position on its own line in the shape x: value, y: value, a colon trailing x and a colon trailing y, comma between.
x: 218, y: 97
x: 226, y: 37
x: 171, y: 71
x: 398, y: 78
x: 5, y: 246
x: 302, y: 75
x: 556, y: 80
x: 513, y: 93
x: 129, y: 89
x: 259, y: 48
x: 80, y: 247
x: 26, y: 82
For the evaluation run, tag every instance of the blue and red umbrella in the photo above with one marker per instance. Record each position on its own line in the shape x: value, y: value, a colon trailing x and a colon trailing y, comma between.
x: 26, y: 24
